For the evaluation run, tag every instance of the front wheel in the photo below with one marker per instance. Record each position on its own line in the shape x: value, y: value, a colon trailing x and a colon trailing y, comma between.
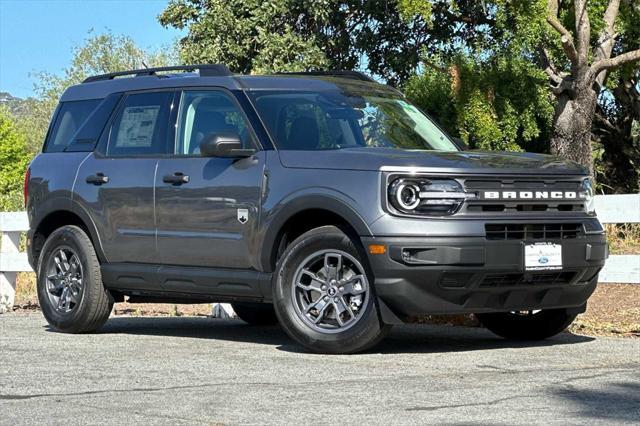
x: 324, y: 295
x: 527, y: 325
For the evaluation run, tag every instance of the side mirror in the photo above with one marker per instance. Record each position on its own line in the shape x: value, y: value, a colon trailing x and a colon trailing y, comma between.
x: 226, y: 145
x: 460, y: 144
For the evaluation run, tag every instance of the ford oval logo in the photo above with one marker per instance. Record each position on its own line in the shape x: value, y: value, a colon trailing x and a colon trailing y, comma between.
x: 543, y: 260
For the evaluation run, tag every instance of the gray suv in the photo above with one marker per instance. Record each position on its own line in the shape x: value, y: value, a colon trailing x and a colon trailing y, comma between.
x: 322, y: 200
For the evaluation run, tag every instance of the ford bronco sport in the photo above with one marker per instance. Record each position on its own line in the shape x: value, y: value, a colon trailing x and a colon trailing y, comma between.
x: 323, y: 201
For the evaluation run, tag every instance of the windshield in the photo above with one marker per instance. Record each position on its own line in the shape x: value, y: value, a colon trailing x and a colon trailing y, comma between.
x: 348, y: 118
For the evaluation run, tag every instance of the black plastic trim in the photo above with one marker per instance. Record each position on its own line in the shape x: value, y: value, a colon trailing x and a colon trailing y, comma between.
x: 185, y: 280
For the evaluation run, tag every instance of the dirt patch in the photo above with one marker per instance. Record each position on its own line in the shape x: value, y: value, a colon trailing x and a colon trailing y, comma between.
x: 163, y: 309
x: 613, y: 310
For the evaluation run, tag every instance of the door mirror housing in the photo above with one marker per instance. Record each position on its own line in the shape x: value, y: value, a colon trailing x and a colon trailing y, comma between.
x: 460, y: 144
x: 225, y: 145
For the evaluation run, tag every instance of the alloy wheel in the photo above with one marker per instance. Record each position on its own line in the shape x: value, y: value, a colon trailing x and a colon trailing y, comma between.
x: 64, y: 279
x: 330, y: 291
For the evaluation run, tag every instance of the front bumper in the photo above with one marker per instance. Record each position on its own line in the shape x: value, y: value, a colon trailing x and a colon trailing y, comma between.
x: 447, y: 275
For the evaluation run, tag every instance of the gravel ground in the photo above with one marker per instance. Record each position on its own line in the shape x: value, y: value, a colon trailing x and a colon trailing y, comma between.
x: 187, y: 370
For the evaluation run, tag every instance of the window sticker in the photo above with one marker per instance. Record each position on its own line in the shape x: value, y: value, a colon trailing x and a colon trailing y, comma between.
x: 137, y: 126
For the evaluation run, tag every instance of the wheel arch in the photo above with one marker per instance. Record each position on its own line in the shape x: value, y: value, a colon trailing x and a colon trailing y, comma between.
x: 303, y: 214
x: 57, y: 214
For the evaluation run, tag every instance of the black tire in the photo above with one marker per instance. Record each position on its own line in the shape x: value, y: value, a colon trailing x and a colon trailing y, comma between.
x: 366, y: 330
x: 255, y: 313
x: 533, y: 326
x: 92, y: 309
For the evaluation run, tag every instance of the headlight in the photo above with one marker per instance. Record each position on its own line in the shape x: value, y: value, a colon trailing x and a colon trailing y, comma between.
x: 589, y: 200
x: 426, y: 197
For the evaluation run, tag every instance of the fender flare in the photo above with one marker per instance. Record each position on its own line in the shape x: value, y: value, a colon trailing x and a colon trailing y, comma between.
x: 66, y: 204
x: 273, y: 225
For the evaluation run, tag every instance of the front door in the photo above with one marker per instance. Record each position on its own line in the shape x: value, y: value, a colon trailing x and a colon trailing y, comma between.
x: 208, y: 208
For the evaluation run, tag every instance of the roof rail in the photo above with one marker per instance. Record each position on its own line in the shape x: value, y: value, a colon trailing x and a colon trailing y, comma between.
x: 205, y: 70
x: 354, y: 75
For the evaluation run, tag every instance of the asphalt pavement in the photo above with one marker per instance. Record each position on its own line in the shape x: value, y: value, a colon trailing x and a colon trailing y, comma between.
x: 181, y: 370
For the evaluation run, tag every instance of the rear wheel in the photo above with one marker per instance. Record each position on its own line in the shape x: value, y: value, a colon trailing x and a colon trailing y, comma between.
x: 323, y: 293
x: 70, y: 290
x: 255, y: 313
x: 527, y: 325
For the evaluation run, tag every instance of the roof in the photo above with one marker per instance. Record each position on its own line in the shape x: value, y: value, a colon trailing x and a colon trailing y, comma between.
x: 100, y: 86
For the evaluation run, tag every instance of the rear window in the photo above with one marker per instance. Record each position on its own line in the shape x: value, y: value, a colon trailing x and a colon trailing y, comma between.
x: 69, y: 119
x: 140, y: 127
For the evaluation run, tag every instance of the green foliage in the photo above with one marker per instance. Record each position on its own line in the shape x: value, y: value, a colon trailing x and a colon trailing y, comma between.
x: 411, y: 9
x: 32, y: 117
x: 432, y: 92
x: 14, y: 158
x: 245, y: 35
x: 252, y: 36
x: 500, y: 105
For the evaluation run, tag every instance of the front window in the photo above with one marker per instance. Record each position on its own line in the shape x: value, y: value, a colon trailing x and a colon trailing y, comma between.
x: 352, y: 116
x: 208, y: 112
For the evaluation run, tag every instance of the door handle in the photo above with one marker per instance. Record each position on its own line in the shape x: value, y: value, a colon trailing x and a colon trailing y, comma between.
x: 177, y: 178
x: 97, y: 179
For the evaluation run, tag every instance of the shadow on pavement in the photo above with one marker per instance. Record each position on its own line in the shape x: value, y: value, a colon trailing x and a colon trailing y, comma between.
x: 612, y: 402
x: 439, y: 338
x: 402, y: 339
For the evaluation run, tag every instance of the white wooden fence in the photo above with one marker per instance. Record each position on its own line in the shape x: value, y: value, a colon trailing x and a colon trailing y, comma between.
x: 611, y: 209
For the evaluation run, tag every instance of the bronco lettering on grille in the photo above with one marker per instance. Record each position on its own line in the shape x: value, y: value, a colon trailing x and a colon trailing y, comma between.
x: 533, y: 195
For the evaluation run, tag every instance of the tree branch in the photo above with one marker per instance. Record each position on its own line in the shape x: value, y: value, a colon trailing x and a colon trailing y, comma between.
x: 607, y: 37
x: 604, y: 121
x: 583, y: 30
x: 565, y: 36
x: 548, y: 66
x: 610, y: 16
x: 607, y: 64
x: 435, y: 66
x: 565, y: 85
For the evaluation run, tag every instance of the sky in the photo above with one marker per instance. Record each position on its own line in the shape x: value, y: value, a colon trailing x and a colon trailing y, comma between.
x: 38, y: 35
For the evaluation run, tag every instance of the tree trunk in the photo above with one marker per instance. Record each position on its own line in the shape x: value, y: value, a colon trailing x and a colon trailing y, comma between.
x: 572, y: 127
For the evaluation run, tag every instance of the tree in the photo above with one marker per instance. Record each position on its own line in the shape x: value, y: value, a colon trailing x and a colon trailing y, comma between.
x: 255, y: 36
x: 497, y: 97
x: 502, y: 105
x: 576, y: 63
x: 578, y: 79
x: 616, y: 133
x: 14, y: 158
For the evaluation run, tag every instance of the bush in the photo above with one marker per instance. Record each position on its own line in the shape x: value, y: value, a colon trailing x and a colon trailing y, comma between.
x: 14, y: 157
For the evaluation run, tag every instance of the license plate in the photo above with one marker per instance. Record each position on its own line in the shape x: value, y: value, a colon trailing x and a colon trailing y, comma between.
x: 542, y: 256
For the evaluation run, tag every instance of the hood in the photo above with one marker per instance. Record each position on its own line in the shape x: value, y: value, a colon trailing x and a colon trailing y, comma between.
x: 476, y: 162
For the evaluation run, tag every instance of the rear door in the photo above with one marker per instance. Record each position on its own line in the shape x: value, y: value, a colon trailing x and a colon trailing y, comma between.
x: 116, y: 183
x: 208, y: 208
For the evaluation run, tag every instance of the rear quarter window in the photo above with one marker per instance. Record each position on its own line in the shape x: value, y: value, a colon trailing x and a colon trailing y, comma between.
x: 68, y: 120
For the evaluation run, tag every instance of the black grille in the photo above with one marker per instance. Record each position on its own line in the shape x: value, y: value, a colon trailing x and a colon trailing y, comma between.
x: 542, y: 231
x: 514, y: 207
x: 509, y: 280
